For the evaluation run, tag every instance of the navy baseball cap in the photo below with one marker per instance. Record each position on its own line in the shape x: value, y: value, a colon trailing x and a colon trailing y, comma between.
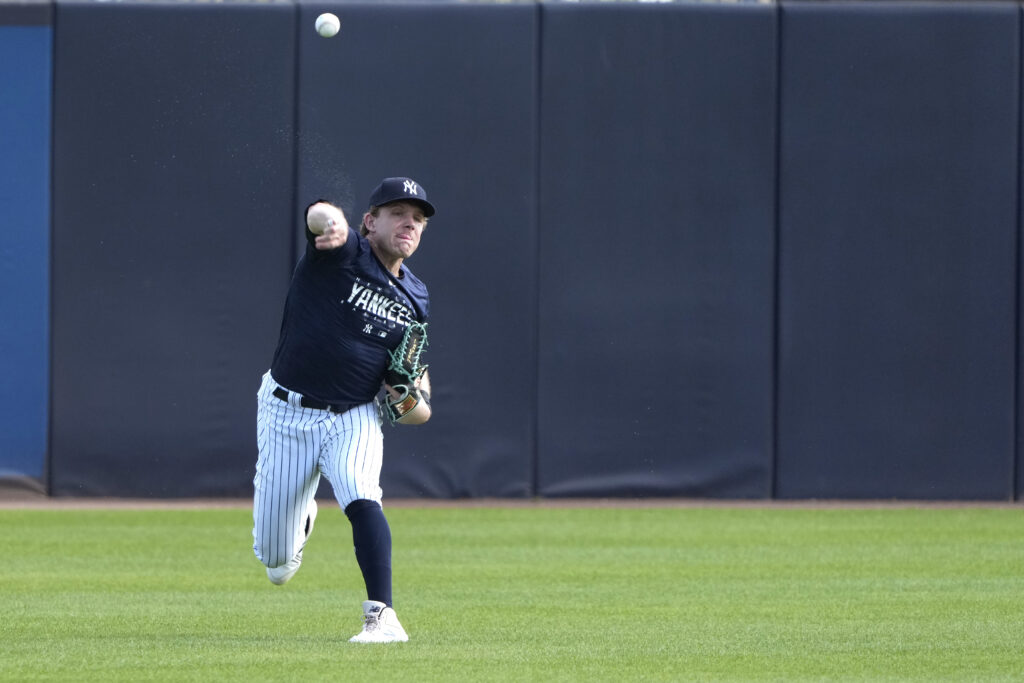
x: 401, y: 189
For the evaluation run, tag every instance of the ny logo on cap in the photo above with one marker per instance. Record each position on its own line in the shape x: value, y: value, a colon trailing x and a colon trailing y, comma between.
x: 409, y: 187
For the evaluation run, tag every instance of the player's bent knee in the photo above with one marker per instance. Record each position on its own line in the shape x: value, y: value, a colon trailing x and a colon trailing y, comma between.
x: 357, y: 506
x: 268, y: 561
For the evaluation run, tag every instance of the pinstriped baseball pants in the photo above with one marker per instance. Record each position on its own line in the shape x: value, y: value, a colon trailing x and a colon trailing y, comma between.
x: 296, y: 446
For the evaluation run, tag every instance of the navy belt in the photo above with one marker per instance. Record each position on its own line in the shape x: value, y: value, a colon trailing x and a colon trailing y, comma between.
x: 312, y: 403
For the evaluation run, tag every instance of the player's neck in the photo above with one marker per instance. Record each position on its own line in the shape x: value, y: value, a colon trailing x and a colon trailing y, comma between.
x: 391, y: 263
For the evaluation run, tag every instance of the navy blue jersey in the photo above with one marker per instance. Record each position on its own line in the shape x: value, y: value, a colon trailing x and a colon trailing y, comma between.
x: 343, y: 314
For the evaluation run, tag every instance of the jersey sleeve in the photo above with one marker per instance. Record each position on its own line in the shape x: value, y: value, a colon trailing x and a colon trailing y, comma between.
x: 417, y: 294
x: 342, y: 253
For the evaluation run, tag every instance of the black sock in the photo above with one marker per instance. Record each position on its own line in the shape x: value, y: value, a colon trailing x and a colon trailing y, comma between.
x: 371, y: 536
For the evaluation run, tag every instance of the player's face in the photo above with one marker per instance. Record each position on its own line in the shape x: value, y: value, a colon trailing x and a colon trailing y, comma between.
x: 396, y: 229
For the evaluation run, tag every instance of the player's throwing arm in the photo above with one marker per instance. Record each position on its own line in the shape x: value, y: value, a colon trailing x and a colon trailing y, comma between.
x: 328, y: 223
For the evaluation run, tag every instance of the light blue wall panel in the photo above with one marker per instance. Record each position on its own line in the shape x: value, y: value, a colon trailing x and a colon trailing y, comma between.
x: 25, y: 98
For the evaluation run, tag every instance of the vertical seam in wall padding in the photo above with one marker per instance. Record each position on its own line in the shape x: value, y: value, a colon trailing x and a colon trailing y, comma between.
x: 538, y: 90
x: 296, y: 78
x: 1015, y: 461
x: 776, y: 259
x: 48, y: 446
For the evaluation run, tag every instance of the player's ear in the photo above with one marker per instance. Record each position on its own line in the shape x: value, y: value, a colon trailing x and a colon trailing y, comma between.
x: 368, y: 219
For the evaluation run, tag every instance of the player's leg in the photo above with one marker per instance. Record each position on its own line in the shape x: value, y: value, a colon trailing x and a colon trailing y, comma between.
x: 371, y: 537
x: 289, y: 438
x: 353, y: 462
x: 353, y: 468
x: 354, y: 472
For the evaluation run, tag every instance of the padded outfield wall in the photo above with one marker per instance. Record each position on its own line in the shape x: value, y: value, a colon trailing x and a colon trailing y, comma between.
x: 682, y: 249
x: 26, y: 67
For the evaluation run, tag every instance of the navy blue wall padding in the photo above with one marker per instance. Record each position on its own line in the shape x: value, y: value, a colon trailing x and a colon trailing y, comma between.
x: 656, y: 250
x: 28, y: 14
x: 449, y: 99
x: 173, y: 224
x: 897, y: 250
x: 25, y: 90
x: 1019, y: 416
x: 681, y: 249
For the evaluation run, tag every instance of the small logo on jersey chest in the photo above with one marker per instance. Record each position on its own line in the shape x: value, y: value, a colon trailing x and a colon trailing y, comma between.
x: 370, y: 329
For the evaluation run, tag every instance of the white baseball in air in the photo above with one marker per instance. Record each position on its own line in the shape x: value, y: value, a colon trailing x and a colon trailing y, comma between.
x: 328, y: 25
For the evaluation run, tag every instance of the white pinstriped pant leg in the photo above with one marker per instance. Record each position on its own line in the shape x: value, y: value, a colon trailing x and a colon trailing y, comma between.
x: 290, y: 439
x: 353, y: 459
x: 297, y: 445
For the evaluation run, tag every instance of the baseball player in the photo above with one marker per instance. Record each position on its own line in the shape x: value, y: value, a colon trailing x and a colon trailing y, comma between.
x: 352, y: 302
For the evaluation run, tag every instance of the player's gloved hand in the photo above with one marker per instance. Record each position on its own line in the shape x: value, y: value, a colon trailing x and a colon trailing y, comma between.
x: 407, y: 402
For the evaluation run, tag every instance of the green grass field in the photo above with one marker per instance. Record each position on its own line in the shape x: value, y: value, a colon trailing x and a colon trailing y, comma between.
x: 523, y: 594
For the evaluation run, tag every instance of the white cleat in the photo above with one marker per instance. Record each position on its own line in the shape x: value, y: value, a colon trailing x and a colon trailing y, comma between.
x: 281, y: 575
x: 380, y: 625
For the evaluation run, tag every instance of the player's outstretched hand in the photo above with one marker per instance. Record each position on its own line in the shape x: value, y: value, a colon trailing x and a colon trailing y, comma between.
x: 328, y: 223
x: 332, y: 237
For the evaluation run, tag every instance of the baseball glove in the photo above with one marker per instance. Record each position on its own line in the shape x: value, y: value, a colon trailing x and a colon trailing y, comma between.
x: 404, y: 370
